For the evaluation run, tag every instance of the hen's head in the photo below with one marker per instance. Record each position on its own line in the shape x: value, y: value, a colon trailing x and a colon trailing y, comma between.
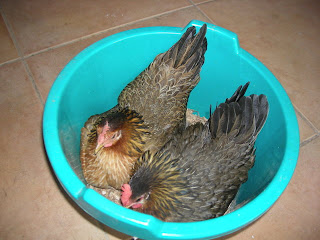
x: 136, y: 194
x: 156, y: 186
x: 109, y: 131
x: 128, y: 200
x: 118, y: 127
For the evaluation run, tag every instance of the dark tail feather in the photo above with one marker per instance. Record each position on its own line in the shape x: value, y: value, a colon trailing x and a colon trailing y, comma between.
x: 260, y: 110
x: 238, y: 93
x: 255, y: 110
x: 239, y: 117
x: 189, y: 50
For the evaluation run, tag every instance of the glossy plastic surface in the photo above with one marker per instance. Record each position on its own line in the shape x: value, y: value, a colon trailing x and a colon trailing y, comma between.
x: 90, y: 84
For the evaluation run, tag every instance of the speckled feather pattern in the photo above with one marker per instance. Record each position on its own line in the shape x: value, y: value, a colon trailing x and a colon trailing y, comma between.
x: 112, y: 168
x: 161, y: 92
x: 208, y: 161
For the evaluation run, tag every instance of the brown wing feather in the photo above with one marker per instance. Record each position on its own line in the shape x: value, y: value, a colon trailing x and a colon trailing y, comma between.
x: 160, y: 93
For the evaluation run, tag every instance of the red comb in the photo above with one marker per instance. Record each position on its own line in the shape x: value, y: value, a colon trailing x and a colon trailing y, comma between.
x: 101, y: 135
x: 126, y: 194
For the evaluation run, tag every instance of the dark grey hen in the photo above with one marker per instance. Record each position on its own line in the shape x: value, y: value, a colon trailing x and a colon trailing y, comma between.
x: 197, y: 174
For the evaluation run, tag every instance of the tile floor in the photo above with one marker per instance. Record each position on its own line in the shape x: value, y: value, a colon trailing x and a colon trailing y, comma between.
x: 38, y: 37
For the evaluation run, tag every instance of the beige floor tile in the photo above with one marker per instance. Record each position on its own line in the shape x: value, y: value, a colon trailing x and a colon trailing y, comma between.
x: 46, y: 66
x: 285, y: 36
x: 7, y: 49
x: 295, y: 215
x: 40, y: 24
x: 31, y: 204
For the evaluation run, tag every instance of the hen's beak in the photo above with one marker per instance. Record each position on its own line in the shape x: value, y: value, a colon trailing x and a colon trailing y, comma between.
x: 128, y: 204
x: 98, y: 149
x: 135, y: 204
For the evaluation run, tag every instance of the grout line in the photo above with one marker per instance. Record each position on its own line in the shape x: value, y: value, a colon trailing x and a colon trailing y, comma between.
x: 12, y: 35
x: 298, y: 111
x: 104, y: 31
x: 309, y: 140
x: 192, y: 3
x: 10, y: 61
x: 203, y: 13
x: 20, y: 53
x: 201, y: 2
x: 31, y: 77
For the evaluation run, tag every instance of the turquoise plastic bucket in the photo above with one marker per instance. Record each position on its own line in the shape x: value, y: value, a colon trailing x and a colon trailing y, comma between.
x: 91, y: 83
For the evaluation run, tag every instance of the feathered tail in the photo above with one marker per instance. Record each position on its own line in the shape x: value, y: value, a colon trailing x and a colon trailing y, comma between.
x: 189, y: 50
x: 240, y: 117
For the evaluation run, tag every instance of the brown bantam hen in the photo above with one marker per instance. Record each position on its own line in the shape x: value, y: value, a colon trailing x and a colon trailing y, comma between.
x: 150, y: 109
x: 197, y: 174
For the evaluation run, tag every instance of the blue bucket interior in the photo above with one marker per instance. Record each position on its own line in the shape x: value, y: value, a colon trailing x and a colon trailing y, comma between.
x: 91, y: 83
